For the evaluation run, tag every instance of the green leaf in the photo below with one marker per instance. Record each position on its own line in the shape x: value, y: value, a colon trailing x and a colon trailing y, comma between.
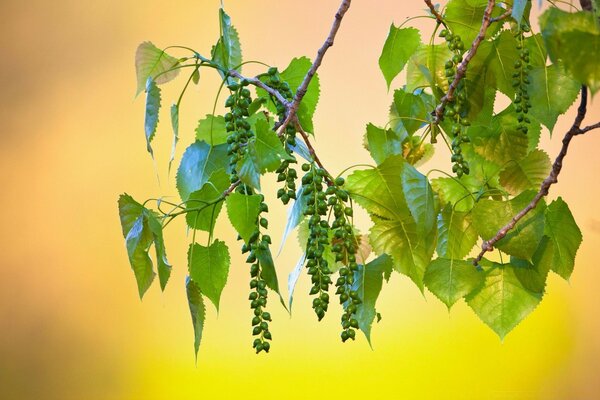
x: 175, y: 126
x: 564, y: 233
x: 152, y: 62
x: 152, y: 108
x: 162, y: 264
x: 198, y: 163
x: 368, y: 281
x: 381, y: 192
x: 382, y: 143
x: 209, y: 267
x: 456, y: 234
x: 294, y: 75
x: 197, y: 309
x: 419, y: 197
x: 528, y: 173
x: 457, y: 192
x: 450, y: 280
x: 521, y: 241
x: 228, y: 51
x: 211, y: 129
x: 141, y: 228
x: 210, y: 192
x: 399, y: 46
x: 464, y: 18
x: 496, y: 59
x: 552, y: 93
x: 268, y: 272
x: 560, y: 30
x: 243, y: 213
x: 129, y: 211
x: 295, y: 215
x: 267, y: 148
x: 138, y: 241
x: 293, y: 279
x: 426, y: 68
x: 248, y: 171
x: 412, y: 110
x: 502, y: 302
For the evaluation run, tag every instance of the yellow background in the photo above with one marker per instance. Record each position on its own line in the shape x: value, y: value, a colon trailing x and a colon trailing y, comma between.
x: 71, y: 140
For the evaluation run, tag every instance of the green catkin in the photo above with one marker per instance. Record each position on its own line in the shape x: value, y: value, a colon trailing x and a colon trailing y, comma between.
x: 344, y: 246
x: 316, y: 210
x: 520, y: 81
x: 258, y: 242
x: 456, y: 108
x: 238, y: 128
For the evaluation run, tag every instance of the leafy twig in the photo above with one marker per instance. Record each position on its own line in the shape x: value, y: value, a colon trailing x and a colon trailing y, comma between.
x: 461, y: 70
x: 575, y: 130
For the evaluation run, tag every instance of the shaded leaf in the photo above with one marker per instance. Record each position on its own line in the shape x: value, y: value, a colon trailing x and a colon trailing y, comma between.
x: 293, y: 279
x: 528, y: 173
x: 464, y: 18
x: 521, y: 241
x: 268, y: 272
x: 412, y: 110
x: 382, y: 143
x: 211, y: 129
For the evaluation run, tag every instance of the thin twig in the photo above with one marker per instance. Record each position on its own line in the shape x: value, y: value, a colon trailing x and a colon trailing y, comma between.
x: 311, y: 150
x: 552, y: 178
x: 435, y: 12
x: 461, y: 70
x: 301, y: 91
x: 505, y: 15
x: 257, y: 82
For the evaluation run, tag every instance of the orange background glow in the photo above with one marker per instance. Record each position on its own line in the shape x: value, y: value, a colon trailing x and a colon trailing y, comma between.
x: 71, y: 323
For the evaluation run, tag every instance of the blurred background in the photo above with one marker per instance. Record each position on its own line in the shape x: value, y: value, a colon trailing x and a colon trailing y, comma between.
x: 71, y: 140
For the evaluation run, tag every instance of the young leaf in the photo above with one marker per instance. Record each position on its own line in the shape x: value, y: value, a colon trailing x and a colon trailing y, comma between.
x: 528, y: 173
x: 502, y: 302
x: 210, y: 192
x: 552, y: 92
x: 228, y: 51
x: 382, y: 143
x: 564, y: 233
x: 152, y: 62
x: 456, y: 234
x: 197, y: 310
x: 175, y: 126
x: 211, y: 129
x: 452, y: 279
x: 368, y: 281
x: 243, y: 213
x: 399, y: 46
x: 152, y: 108
x: 419, y: 197
x: 522, y: 241
x: 208, y: 268
x: 199, y: 161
